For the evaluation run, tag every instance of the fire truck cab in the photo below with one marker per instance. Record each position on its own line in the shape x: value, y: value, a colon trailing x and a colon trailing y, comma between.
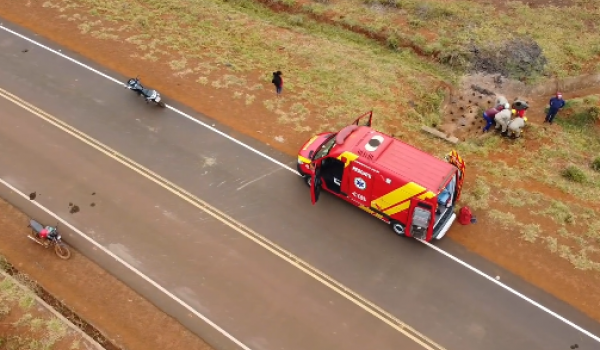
x: 414, y: 192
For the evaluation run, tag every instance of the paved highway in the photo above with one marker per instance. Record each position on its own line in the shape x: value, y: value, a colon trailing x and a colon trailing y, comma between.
x: 249, y: 290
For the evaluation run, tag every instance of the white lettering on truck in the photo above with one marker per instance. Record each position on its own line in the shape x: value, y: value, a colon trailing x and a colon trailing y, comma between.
x: 362, y: 172
x: 359, y: 196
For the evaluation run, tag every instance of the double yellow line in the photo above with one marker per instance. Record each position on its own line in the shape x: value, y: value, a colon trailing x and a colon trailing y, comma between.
x: 232, y: 223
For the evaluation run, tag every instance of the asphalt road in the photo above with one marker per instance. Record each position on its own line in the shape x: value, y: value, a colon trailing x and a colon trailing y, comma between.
x: 259, y: 298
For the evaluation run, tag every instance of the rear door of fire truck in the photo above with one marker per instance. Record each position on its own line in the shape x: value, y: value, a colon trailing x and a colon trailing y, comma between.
x: 421, y: 218
x: 456, y: 160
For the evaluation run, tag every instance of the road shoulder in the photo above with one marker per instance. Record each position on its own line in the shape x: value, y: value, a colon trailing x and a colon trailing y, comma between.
x: 95, y: 295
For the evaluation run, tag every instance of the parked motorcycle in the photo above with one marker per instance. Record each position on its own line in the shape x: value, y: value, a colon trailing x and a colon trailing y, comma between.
x: 48, y: 236
x: 149, y: 94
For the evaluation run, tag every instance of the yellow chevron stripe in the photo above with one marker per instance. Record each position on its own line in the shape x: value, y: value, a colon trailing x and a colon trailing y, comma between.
x: 350, y: 157
x: 398, y: 195
x: 427, y: 195
x: 406, y: 205
x: 304, y: 160
x: 398, y: 208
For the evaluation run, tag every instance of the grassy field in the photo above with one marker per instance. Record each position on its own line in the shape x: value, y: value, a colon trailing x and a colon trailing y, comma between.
x: 24, y: 324
x: 449, y: 31
x: 334, y: 74
x: 549, y: 194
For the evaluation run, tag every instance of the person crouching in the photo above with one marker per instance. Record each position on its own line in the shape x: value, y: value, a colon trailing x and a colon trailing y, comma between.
x: 515, y: 126
x: 502, y: 119
x: 489, y: 116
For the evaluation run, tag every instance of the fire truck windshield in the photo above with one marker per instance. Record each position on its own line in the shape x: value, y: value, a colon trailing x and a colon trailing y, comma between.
x: 325, y: 148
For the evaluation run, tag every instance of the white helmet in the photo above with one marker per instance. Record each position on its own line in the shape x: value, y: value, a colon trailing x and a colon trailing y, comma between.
x: 506, y: 105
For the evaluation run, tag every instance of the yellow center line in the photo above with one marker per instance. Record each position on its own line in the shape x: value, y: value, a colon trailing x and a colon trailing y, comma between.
x: 270, y: 246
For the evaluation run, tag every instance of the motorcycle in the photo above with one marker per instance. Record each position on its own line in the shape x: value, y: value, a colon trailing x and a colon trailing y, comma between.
x: 48, y: 236
x: 134, y: 84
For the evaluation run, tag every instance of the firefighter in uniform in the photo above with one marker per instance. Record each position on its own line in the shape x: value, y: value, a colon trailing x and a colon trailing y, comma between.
x: 502, y: 118
x: 501, y: 101
x: 515, y: 126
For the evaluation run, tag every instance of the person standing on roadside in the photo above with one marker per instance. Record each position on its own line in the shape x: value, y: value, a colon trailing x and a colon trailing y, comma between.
x: 556, y: 104
x: 489, y: 116
x: 278, y: 82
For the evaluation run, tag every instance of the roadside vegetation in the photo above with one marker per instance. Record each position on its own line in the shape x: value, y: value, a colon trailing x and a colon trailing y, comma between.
x: 560, y: 212
x: 24, y: 324
x: 534, y: 40
x: 334, y: 74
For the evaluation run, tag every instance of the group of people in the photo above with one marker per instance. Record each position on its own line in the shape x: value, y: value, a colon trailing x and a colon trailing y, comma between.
x: 508, y: 117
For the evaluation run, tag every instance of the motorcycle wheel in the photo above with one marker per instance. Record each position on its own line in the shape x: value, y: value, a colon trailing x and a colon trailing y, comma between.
x: 162, y: 104
x: 62, y: 251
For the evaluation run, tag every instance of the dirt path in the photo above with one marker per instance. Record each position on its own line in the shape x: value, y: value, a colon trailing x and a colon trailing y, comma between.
x: 88, y: 290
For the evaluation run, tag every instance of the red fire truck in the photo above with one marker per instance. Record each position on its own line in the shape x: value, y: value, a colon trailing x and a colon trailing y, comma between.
x: 407, y: 188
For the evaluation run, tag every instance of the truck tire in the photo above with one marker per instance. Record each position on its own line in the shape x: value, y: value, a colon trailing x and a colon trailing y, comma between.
x: 308, y: 180
x: 398, y: 228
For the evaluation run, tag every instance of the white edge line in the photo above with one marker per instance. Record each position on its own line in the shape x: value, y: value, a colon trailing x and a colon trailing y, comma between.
x: 187, y: 116
x: 513, y: 291
x: 131, y: 268
x: 183, y: 114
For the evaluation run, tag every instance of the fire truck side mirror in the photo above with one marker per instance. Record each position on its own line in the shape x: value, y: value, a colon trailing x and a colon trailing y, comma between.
x: 310, y: 154
x: 344, y: 160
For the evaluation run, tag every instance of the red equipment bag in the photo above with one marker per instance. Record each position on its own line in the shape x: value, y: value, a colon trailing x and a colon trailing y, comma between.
x: 465, y: 216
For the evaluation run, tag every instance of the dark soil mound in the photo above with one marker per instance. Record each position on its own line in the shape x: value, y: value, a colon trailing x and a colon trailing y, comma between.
x: 516, y: 58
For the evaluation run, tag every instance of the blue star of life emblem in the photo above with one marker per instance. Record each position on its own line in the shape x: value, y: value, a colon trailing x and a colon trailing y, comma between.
x: 360, y: 183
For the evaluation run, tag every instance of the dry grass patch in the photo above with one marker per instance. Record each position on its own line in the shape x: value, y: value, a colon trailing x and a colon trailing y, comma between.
x: 559, y: 212
x: 26, y: 325
x: 451, y: 30
x: 478, y: 195
x: 331, y: 74
x: 568, y: 230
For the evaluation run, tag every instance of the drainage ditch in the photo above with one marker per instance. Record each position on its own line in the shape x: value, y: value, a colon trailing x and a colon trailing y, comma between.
x: 59, y: 306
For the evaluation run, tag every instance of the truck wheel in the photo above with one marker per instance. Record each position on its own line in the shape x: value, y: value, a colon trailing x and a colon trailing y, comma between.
x: 308, y: 180
x: 398, y: 228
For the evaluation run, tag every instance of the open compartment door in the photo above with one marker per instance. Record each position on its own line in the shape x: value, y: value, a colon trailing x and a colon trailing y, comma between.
x: 315, y: 183
x: 421, y: 219
x: 364, y: 120
x: 456, y: 160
